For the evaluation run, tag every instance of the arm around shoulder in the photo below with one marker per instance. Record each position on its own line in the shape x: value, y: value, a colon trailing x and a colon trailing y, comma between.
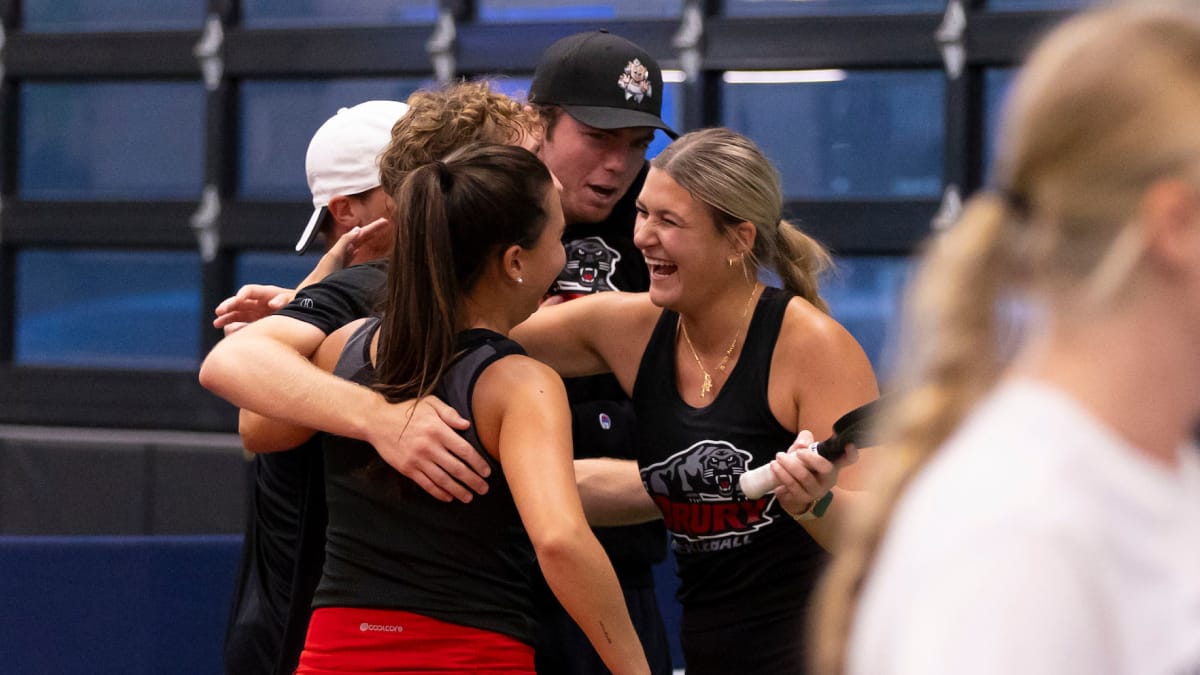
x: 598, y: 333
x: 265, y: 367
x: 262, y: 434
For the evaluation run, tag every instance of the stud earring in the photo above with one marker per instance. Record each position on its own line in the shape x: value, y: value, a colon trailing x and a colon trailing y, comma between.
x: 520, y: 280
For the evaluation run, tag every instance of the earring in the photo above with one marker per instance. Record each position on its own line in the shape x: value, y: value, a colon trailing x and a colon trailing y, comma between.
x: 732, y: 259
x: 520, y: 280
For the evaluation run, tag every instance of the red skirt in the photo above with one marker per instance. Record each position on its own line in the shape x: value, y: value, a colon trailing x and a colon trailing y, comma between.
x: 345, y: 640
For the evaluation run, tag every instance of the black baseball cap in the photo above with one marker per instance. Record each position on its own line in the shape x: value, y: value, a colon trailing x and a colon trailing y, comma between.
x: 602, y: 80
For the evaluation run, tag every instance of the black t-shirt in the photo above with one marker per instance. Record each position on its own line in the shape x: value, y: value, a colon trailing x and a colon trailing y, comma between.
x: 744, y: 565
x: 602, y: 257
x: 393, y: 546
x: 341, y: 297
x: 284, y: 543
x: 282, y: 552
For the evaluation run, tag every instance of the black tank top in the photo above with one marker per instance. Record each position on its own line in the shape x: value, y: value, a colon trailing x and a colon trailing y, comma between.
x: 740, y: 561
x: 392, y: 546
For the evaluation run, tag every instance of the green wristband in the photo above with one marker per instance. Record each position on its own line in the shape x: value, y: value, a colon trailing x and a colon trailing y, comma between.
x: 815, y: 511
x: 822, y: 505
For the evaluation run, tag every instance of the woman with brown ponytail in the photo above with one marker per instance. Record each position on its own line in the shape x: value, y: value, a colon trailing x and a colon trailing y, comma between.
x: 723, y: 373
x: 415, y: 584
x: 1043, y: 513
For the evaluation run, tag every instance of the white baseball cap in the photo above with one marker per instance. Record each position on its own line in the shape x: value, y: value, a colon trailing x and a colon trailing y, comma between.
x: 343, y: 157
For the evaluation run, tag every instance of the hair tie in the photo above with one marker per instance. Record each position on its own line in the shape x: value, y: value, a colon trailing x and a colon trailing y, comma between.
x: 1013, y: 200
x: 445, y: 178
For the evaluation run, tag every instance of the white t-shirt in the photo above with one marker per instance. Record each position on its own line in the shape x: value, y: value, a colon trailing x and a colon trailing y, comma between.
x: 1037, y: 541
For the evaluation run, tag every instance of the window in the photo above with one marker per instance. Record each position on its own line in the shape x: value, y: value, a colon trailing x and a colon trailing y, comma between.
x: 111, y: 140
x: 811, y: 7
x: 108, y: 308
x: 837, y: 133
x: 996, y: 83
x: 278, y: 269
x: 312, y: 13
x: 576, y: 10
x: 278, y: 118
x: 1011, y: 5
x: 864, y: 294
x: 56, y: 16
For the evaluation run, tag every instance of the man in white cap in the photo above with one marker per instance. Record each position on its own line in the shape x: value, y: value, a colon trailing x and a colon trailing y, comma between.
x: 342, y: 165
x: 284, y: 546
x: 343, y: 177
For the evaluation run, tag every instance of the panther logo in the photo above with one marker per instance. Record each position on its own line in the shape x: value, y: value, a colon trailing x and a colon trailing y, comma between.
x: 590, y: 266
x: 697, y: 492
x: 635, y: 81
x: 707, y: 471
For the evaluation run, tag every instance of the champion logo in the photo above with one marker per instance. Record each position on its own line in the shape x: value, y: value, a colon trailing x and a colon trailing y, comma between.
x: 605, y: 421
x: 379, y: 628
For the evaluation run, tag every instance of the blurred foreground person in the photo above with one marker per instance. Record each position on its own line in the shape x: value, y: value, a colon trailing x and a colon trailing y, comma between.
x: 1043, y: 515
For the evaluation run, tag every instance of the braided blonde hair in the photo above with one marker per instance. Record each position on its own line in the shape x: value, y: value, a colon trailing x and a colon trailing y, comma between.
x: 1104, y: 106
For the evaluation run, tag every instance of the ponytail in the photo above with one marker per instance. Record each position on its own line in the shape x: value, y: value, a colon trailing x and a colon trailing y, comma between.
x: 1102, y: 108
x: 416, y: 340
x: 951, y: 357
x: 452, y: 217
x: 799, y: 260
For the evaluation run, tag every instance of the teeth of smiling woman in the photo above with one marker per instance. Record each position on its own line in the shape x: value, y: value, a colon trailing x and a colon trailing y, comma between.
x: 660, y: 266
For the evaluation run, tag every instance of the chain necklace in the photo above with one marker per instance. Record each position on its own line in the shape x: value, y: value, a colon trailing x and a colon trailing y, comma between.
x: 707, y: 385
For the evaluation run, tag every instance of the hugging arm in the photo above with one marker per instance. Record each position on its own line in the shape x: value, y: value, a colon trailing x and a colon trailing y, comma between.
x: 265, y: 368
x: 612, y: 492
x: 257, y: 301
x: 599, y: 333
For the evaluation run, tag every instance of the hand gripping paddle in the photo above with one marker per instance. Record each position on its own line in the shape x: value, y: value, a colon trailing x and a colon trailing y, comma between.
x: 853, y: 428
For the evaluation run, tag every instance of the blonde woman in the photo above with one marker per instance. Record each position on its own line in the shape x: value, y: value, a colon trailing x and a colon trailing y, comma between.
x: 723, y: 373
x: 1044, y: 514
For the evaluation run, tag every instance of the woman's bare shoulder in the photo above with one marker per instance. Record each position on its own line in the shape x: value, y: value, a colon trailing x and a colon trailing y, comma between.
x: 812, y: 331
x: 818, y: 353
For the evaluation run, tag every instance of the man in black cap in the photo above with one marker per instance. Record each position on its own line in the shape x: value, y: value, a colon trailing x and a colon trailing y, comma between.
x: 600, y: 100
x: 611, y: 91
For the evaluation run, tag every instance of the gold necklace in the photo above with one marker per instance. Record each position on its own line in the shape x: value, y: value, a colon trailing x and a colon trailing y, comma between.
x: 707, y: 385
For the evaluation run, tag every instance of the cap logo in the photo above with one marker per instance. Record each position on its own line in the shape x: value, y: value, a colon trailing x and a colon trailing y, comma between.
x: 635, y: 81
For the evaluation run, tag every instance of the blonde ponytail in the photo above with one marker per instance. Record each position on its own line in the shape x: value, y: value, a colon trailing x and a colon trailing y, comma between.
x: 799, y: 260
x: 1102, y: 109
x: 952, y: 357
